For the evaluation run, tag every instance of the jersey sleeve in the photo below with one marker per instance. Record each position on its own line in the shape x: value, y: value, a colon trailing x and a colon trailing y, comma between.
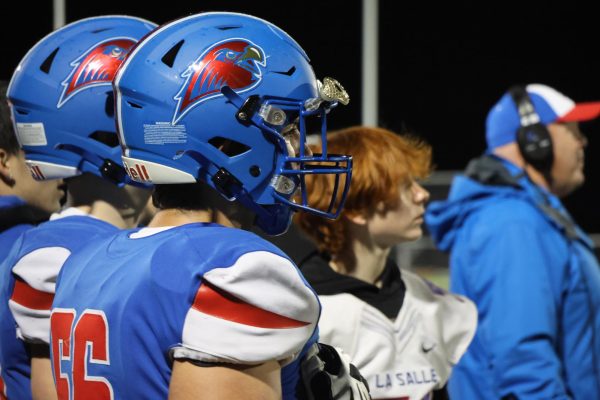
x: 31, y: 300
x: 256, y: 310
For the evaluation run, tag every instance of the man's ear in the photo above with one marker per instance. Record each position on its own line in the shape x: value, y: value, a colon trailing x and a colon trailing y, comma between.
x: 5, y: 172
x: 4, y: 161
x: 356, y: 218
x: 362, y: 217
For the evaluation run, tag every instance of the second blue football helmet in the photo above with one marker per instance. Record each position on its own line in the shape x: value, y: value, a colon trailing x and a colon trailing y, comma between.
x: 220, y: 97
x: 62, y: 100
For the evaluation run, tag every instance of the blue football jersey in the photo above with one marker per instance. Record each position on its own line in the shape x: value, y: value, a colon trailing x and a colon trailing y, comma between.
x: 8, y: 236
x: 28, y: 277
x: 129, y: 306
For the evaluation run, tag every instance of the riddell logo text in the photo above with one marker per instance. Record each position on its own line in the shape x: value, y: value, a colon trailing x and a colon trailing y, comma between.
x: 138, y: 172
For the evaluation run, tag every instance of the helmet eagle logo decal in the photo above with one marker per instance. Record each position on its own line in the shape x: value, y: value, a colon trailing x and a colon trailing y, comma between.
x: 97, y: 66
x: 235, y: 63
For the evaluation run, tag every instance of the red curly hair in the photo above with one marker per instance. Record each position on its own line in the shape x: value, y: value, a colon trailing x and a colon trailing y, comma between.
x: 382, y: 162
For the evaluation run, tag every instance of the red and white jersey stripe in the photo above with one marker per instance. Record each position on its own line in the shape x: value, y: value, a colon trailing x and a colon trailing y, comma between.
x: 33, y: 292
x: 260, y: 299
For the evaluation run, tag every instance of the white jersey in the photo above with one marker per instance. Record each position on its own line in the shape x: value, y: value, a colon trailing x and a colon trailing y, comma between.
x: 407, y: 357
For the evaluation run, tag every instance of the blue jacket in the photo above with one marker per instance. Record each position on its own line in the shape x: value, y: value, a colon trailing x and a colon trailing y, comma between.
x: 532, y: 273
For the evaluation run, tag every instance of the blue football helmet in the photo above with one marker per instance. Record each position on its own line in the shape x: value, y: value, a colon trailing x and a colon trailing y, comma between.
x: 216, y: 97
x: 62, y: 100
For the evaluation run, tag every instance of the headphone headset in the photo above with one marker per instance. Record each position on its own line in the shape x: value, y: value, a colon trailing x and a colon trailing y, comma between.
x: 533, y: 137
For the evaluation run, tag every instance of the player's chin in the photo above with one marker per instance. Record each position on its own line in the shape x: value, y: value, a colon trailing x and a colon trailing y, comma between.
x: 580, y: 180
x: 576, y: 180
x: 415, y: 233
x: 578, y: 176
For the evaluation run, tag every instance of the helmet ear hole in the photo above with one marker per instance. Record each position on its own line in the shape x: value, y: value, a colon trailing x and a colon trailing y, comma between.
x: 109, y: 105
x: 45, y: 66
x: 108, y: 138
x: 169, y: 58
x: 228, y: 27
x: 229, y: 147
x: 255, y: 171
x: 289, y: 72
x: 100, y: 30
x: 134, y: 105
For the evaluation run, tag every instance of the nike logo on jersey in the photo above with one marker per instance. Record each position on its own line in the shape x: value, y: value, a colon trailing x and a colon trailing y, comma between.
x: 427, y: 346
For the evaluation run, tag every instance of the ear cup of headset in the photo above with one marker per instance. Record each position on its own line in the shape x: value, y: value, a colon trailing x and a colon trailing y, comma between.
x: 536, y: 147
x: 533, y: 138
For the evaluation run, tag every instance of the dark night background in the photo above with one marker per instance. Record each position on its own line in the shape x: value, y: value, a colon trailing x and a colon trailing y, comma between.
x: 441, y: 66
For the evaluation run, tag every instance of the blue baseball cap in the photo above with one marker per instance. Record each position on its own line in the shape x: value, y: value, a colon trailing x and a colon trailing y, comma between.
x: 503, y: 120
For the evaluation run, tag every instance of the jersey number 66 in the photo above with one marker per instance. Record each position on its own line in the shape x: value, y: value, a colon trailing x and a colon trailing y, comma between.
x: 75, y: 344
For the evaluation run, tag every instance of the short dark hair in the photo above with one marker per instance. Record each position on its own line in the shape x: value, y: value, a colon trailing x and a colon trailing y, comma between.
x: 8, y: 140
x: 197, y: 197
x: 186, y: 196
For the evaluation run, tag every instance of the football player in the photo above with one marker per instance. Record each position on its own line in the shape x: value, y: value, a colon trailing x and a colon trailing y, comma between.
x: 211, y: 109
x: 401, y: 331
x: 24, y: 202
x: 62, y: 105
